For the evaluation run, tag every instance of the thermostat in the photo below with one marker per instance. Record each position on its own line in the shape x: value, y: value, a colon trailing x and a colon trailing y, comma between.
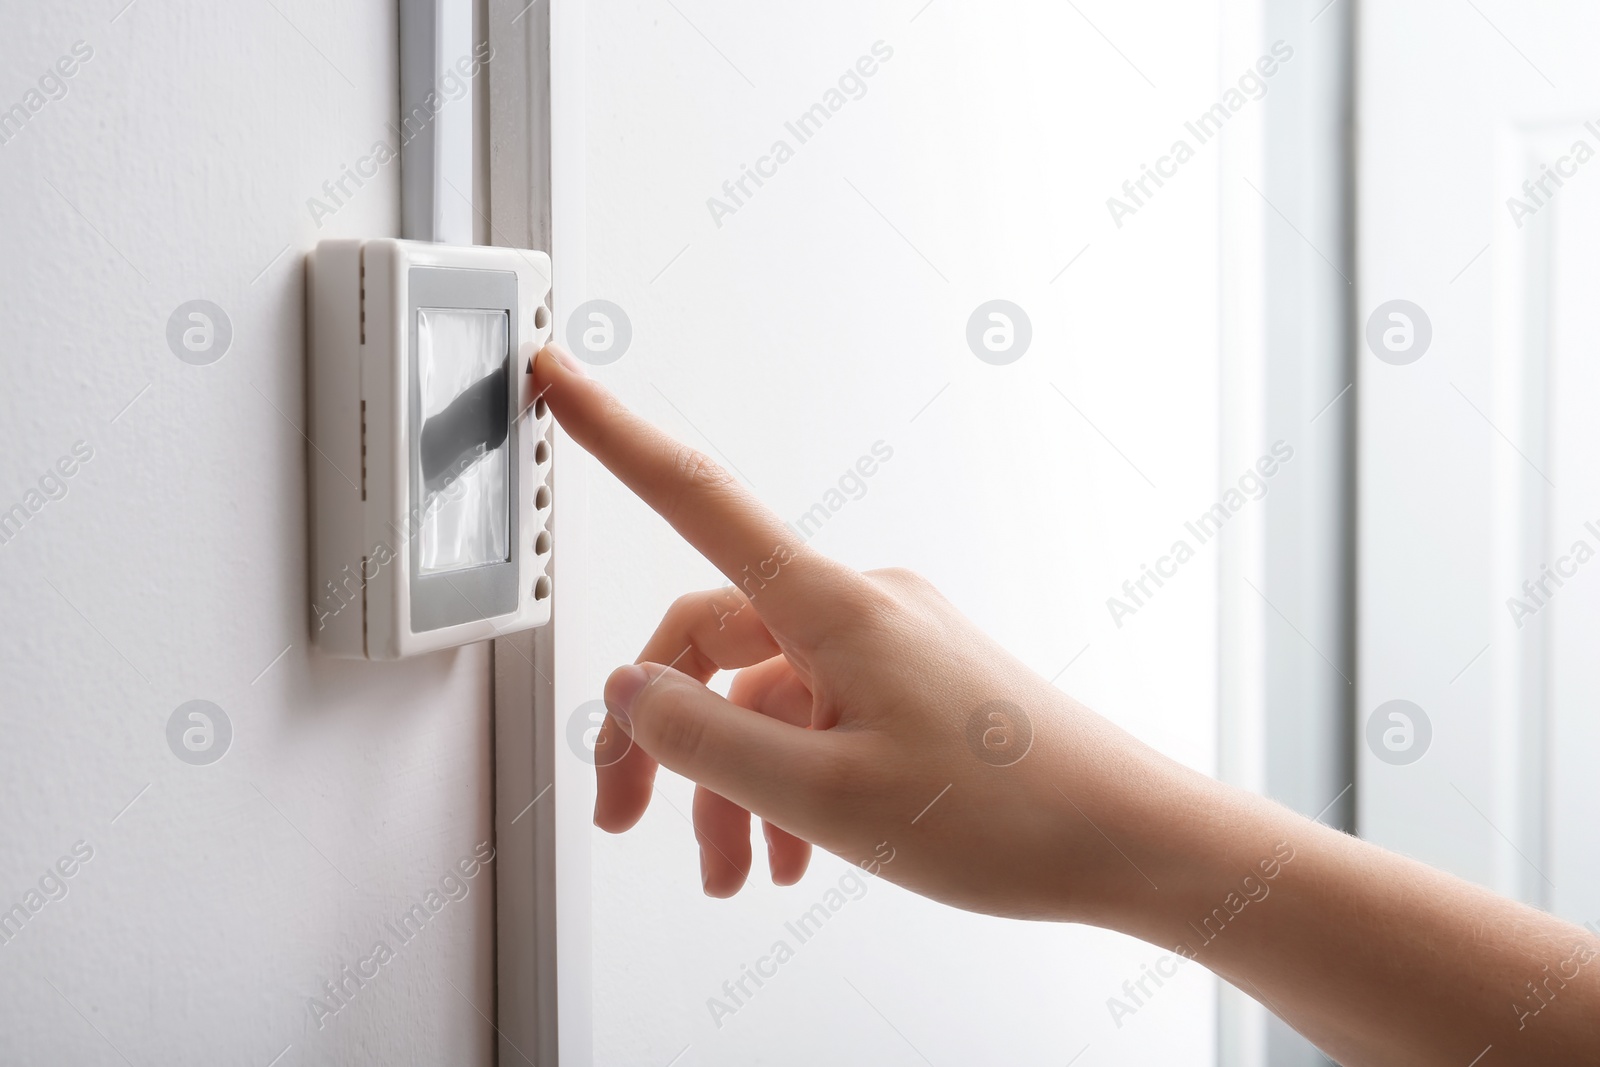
x: 429, y: 474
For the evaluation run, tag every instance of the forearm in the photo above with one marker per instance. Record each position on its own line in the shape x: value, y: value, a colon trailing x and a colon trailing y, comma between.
x: 1376, y: 958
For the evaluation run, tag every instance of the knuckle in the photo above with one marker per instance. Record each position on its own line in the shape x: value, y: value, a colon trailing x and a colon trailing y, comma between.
x: 900, y: 576
x: 684, y: 608
x: 694, y: 616
x: 906, y: 579
x: 908, y: 590
x: 863, y: 607
x: 887, y: 592
x: 724, y: 601
x: 674, y: 730
x: 696, y: 476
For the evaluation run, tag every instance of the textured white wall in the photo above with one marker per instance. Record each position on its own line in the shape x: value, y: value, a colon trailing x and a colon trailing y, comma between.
x: 803, y: 330
x: 177, y: 166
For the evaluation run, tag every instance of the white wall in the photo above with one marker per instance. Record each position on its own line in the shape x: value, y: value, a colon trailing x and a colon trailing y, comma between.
x: 804, y: 329
x: 178, y: 166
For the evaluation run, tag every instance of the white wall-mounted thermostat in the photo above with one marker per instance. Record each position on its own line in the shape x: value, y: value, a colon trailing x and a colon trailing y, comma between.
x: 429, y: 474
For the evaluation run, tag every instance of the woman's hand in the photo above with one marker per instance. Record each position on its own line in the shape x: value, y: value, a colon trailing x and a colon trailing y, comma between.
x: 867, y: 716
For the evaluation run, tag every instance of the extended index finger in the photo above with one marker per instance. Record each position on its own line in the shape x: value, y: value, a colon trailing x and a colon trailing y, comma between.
x: 749, y: 544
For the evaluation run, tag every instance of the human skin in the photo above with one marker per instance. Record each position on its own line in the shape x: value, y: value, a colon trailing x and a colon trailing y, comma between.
x: 867, y: 712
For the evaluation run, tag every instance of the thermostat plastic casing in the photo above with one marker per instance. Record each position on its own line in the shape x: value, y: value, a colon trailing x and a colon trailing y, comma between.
x: 430, y: 497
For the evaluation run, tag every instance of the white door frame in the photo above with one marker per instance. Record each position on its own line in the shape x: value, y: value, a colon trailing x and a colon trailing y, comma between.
x: 1287, y: 671
x: 531, y: 154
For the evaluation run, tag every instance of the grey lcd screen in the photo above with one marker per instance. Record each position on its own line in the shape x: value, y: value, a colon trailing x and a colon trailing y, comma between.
x: 461, y: 516
x: 463, y: 388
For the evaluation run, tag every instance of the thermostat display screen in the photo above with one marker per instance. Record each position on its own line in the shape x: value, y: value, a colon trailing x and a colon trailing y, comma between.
x: 463, y: 383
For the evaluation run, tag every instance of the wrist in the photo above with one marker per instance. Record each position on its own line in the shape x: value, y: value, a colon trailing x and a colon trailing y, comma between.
x: 1189, y: 856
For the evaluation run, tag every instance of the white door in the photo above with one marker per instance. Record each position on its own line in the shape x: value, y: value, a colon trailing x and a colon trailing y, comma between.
x: 159, y: 904
x: 1479, y: 601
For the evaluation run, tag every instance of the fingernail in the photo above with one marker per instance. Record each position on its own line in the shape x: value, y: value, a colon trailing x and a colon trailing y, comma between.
x: 622, y: 689
x: 567, y: 360
x: 705, y: 872
x: 550, y: 363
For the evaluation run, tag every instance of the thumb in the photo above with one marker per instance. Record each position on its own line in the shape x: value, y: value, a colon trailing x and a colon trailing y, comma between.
x: 762, y: 764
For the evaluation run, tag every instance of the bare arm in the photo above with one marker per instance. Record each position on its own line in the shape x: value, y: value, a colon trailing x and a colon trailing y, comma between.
x: 860, y: 698
x: 1375, y: 958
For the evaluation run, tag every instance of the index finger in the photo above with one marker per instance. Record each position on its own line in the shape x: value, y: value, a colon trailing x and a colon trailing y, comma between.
x: 744, y: 540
